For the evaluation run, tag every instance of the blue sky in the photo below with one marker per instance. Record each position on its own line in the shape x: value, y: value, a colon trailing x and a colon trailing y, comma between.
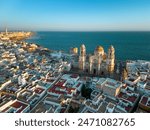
x: 76, y: 15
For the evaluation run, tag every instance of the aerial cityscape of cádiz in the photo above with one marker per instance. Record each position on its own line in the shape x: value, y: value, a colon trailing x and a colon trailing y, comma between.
x: 36, y: 79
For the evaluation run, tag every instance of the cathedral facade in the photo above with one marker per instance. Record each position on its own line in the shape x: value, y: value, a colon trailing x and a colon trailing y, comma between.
x: 98, y: 63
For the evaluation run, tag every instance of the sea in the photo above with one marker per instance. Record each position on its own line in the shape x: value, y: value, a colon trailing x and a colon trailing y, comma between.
x: 128, y: 45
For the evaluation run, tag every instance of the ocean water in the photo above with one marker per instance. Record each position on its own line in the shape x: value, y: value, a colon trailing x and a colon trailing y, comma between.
x: 128, y: 45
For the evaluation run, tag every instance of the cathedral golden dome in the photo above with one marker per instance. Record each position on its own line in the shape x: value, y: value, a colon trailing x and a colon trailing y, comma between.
x: 104, y: 57
x: 99, y: 49
x: 75, y: 50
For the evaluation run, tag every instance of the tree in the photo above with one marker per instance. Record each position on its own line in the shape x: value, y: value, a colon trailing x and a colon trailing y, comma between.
x: 73, y: 110
x: 86, y: 92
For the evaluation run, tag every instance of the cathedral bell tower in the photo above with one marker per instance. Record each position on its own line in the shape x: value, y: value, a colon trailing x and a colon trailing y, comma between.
x: 82, y: 57
x: 110, y: 59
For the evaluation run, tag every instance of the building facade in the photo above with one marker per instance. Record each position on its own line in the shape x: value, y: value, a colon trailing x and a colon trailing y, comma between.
x: 98, y: 63
x: 109, y: 86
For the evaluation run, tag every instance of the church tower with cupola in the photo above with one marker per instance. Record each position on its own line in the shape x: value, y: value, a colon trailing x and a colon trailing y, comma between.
x: 110, y: 62
x: 82, y: 57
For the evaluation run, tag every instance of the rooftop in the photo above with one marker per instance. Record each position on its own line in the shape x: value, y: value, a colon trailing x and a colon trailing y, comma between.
x: 129, y: 96
x: 39, y: 90
x: 15, y: 106
x: 145, y: 101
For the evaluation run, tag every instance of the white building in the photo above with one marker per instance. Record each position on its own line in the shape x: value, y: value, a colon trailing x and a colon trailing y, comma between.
x: 15, y: 106
x: 109, y: 86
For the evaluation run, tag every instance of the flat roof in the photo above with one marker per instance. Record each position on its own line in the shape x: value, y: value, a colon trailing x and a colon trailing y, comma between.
x: 145, y: 100
x: 18, y: 105
x: 39, y: 90
x: 127, y: 97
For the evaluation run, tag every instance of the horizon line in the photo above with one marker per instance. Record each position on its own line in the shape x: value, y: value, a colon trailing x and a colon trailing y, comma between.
x: 11, y: 30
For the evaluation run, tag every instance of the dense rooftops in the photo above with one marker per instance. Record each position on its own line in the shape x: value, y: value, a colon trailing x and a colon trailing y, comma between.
x: 15, y: 106
x: 145, y: 103
x: 39, y: 80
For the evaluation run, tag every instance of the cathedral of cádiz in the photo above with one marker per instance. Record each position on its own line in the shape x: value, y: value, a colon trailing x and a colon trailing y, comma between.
x: 98, y: 63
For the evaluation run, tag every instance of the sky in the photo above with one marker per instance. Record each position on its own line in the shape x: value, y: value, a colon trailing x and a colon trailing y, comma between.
x: 75, y: 15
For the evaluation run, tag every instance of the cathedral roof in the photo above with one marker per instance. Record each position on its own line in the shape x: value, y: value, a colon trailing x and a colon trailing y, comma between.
x: 99, y: 49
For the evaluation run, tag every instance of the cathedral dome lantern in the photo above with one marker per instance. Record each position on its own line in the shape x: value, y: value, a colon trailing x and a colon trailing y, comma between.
x: 99, y: 50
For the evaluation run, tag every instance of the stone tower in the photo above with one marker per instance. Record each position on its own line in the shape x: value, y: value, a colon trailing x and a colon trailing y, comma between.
x: 6, y: 32
x: 110, y: 63
x: 82, y: 57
